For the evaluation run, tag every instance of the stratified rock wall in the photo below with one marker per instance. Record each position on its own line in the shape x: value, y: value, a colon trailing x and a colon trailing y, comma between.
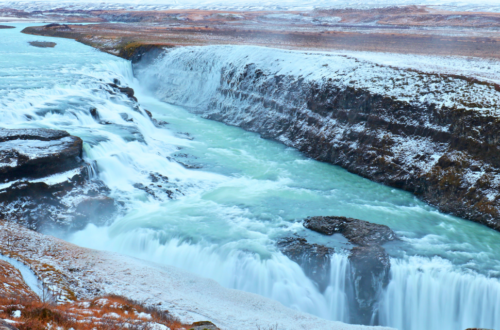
x: 44, y: 183
x: 435, y: 136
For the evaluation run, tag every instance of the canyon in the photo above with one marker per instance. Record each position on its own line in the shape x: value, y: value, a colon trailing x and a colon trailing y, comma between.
x: 206, y: 142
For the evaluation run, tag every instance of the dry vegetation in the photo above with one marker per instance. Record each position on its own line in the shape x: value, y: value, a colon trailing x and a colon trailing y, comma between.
x: 54, y: 311
x: 110, y: 312
x: 405, y: 30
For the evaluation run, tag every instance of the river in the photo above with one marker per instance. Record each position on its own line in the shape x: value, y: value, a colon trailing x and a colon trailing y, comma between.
x: 239, y: 194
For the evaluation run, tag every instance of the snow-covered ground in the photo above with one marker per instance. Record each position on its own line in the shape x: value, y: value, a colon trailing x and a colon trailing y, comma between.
x: 394, y: 75
x: 459, y: 5
x: 92, y: 273
x: 482, y: 69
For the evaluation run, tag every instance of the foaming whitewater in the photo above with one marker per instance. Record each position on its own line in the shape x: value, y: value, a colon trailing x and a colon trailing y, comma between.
x: 233, y: 194
x: 431, y: 294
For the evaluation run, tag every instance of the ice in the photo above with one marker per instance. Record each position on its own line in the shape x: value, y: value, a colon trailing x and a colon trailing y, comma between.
x: 28, y: 275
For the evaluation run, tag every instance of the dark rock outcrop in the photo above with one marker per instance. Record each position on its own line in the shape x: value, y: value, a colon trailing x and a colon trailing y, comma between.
x: 313, y: 258
x: 44, y: 183
x: 436, y: 136
x: 136, y: 52
x: 92, y: 208
x: 42, y: 44
x: 6, y: 326
x: 370, y: 267
x: 125, y: 90
x: 33, y: 153
x: 369, y: 262
x: 7, y: 27
x: 358, y: 232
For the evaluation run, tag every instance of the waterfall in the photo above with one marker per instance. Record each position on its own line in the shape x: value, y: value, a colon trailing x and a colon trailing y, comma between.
x: 423, y: 292
x: 431, y: 294
x: 226, y: 217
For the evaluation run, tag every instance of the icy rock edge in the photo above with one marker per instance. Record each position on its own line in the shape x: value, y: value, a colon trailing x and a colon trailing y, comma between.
x: 45, y: 183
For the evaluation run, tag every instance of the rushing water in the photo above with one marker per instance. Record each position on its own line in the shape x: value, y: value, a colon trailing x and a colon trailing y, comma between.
x: 226, y: 216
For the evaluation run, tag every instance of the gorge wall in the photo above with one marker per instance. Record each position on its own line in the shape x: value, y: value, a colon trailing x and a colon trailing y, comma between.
x: 433, y: 135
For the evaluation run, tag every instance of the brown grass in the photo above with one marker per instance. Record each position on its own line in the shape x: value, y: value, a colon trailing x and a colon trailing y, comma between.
x: 106, y: 313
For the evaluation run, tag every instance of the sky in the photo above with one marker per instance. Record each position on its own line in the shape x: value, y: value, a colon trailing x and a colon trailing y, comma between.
x: 466, y: 5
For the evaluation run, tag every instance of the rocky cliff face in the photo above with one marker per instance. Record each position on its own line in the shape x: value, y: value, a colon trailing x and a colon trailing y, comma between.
x: 369, y: 264
x: 433, y: 135
x: 45, y: 183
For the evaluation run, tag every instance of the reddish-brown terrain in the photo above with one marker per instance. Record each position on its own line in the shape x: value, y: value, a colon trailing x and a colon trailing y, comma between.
x: 406, y: 30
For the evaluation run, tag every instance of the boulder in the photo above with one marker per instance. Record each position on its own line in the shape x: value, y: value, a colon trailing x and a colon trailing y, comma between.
x: 42, y: 134
x: 32, y: 153
x: 42, y: 44
x: 203, y: 325
x: 44, y: 182
x: 369, y: 262
x: 358, y: 232
x: 314, y: 259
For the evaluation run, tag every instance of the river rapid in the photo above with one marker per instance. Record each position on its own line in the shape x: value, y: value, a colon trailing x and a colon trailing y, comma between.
x: 235, y: 194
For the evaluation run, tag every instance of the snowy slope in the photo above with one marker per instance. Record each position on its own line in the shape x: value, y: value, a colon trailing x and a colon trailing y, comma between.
x: 176, y: 73
x: 92, y: 273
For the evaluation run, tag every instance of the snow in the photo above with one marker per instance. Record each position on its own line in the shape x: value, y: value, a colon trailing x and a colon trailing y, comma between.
x: 379, y: 74
x: 482, y: 69
x: 9, y: 321
x: 157, y: 326
x: 185, y: 295
x: 143, y: 315
x: 49, y: 180
x: 28, y: 275
x: 16, y: 314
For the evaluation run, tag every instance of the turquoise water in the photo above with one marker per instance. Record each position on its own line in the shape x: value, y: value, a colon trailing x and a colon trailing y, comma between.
x: 226, y: 215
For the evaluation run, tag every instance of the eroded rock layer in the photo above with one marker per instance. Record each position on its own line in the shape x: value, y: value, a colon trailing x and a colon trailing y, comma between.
x: 369, y: 264
x: 44, y: 183
x: 433, y: 135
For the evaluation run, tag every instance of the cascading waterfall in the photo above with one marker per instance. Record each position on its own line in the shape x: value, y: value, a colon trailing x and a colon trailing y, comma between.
x: 225, y: 218
x: 423, y: 293
x: 430, y: 294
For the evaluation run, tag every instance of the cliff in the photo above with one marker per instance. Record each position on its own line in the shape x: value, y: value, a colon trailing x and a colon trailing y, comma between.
x: 430, y: 134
